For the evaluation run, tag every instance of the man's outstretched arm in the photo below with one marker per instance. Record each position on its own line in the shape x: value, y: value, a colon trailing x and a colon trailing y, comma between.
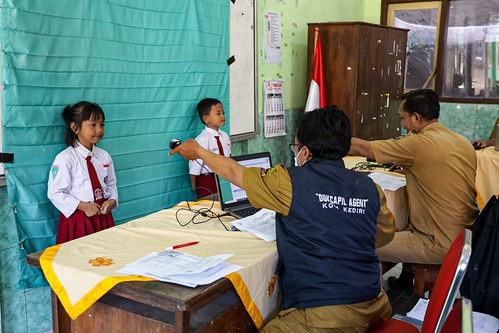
x: 223, y: 166
x: 361, y: 147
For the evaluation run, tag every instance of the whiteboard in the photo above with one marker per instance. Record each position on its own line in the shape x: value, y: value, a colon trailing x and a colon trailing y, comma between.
x: 243, y: 74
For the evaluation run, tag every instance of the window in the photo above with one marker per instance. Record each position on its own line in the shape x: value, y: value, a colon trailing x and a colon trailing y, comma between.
x: 452, y: 46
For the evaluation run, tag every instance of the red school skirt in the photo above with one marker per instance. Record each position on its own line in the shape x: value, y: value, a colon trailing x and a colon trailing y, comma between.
x: 79, y: 225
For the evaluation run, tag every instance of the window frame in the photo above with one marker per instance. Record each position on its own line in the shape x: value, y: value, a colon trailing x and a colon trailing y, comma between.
x: 440, y: 46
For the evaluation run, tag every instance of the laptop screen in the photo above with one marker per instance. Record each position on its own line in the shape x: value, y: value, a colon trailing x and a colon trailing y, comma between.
x: 232, y: 195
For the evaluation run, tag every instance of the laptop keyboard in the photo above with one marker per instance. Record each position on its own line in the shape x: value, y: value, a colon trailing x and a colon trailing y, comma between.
x: 246, y: 211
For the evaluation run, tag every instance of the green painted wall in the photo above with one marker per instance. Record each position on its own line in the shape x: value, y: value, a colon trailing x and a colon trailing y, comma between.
x: 292, y: 70
x: 471, y: 120
x: 295, y: 15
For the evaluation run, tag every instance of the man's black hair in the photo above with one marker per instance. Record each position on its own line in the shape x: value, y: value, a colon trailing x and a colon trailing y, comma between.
x: 422, y: 101
x: 326, y: 132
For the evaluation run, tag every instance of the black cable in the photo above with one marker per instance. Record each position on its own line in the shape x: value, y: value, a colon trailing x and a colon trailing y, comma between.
x: 371, y: 166
x: 202, y: 166
x: 207, y: 213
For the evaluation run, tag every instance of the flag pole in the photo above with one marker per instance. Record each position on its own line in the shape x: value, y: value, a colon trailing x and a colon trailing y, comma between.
x: 316, y: 33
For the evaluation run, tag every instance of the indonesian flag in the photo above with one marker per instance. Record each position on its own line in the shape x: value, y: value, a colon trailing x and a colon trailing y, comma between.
x: 316, y: 94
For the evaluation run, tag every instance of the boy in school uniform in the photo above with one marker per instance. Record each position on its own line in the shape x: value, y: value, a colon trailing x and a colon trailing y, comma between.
x: 212, y: 138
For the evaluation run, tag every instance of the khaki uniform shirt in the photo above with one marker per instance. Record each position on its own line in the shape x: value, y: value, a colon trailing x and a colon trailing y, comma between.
x: 272, y: 189
x: 440, y: 170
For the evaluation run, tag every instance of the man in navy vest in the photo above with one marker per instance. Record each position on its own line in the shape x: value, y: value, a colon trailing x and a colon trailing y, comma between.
x: 329, y: 221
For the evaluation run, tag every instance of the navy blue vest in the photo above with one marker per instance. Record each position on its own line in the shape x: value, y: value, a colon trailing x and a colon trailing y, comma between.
x: 326, y: 244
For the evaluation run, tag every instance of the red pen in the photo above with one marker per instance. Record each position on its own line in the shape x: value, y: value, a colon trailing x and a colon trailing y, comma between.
x: 178, y: 246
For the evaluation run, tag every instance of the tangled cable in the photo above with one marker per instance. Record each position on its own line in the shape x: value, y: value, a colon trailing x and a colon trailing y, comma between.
x: 363, y: 166
x: 207, y: 214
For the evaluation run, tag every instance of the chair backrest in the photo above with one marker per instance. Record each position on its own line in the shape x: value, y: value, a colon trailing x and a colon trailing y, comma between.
x: 447, y: 284
x: 460, y: 318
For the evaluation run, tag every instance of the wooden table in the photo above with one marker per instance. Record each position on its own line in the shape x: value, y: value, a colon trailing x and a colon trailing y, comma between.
x: 154, y: 306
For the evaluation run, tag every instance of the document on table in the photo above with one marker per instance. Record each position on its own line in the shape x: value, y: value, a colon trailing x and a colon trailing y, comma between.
x: 482, y: 323
x: 181, y: 268
x: 387, y: 182
x: 260, y: 224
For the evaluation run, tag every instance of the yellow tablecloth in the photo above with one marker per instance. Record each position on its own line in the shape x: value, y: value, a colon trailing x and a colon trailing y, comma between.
x: 487, y: 174
x: 83, y: 270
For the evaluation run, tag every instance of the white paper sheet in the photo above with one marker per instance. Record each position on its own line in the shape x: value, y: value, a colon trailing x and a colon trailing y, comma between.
x: 419, y: 309
x: 260, y: 224
x: 181, y: 268
x: 203, y: 278
x: 484, y: 323
x: 387, y: 182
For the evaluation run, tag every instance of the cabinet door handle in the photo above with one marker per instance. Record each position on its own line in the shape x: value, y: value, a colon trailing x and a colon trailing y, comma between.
x: 387, y: 102
x: 398, y: 67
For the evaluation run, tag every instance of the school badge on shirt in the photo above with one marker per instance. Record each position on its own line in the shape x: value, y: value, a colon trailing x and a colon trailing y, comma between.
x: 98, y: 194
x: 55, y: 170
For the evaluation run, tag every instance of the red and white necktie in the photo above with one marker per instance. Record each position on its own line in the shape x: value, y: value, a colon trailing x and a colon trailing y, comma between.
x: 98, y: 194
x: 220, y: 147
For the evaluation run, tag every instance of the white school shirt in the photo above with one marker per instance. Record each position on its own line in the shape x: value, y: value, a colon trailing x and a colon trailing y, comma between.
x: 206, y: 139
x: 69, y: 180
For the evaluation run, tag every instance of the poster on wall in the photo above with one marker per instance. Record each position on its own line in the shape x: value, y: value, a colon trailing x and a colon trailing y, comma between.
x: 271, y: 37
x: 274, y: 121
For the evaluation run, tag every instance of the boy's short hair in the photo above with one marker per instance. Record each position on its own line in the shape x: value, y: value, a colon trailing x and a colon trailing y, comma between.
x: 204, y: 106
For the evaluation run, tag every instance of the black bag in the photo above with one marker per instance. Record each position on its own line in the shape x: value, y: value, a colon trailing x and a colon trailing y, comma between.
x: 481, y: 280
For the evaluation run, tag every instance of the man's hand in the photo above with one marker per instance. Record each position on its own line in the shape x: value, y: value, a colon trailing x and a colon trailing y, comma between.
x: 223, y: 166
x: 188, y: 150
x: 479, y: 144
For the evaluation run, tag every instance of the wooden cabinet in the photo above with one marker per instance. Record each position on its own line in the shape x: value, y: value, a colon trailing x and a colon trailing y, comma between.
x: 363, y: 68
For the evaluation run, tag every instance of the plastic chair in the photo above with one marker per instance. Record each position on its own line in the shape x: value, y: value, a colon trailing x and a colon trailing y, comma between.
x: 444, y: 291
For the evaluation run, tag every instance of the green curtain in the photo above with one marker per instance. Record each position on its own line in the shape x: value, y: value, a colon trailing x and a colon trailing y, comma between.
x: 147, y: 63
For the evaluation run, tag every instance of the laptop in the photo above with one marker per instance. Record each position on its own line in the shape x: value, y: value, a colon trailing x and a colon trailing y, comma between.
x: 233, y: 199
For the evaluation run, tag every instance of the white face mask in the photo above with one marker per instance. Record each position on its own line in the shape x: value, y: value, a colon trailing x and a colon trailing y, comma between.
x: 296, y: 157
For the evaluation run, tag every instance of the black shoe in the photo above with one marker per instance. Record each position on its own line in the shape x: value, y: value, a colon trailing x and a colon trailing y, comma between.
x: 404, y: 282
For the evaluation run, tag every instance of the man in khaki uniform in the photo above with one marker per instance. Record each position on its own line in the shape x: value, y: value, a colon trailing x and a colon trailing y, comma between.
x: 440, y: 169
x: 329, y: 220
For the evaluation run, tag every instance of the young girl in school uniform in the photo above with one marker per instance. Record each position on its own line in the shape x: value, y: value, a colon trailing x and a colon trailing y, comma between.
x: 82, y: 183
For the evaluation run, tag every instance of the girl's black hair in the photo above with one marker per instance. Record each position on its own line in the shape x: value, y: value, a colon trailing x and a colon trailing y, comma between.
x: 77, y: 114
